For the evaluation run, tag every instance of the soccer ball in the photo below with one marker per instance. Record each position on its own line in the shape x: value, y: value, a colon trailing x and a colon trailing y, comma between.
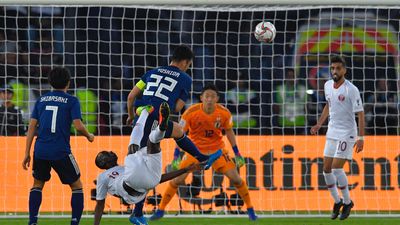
x: 265, y: 32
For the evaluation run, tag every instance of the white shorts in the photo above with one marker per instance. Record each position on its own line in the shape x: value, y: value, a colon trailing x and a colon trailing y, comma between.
x: 342, y: 149
x: 142, y: 170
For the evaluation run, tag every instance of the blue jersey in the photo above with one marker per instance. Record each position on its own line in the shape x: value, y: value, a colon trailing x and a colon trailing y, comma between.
x: 165, y: 84
x: 55, y: 112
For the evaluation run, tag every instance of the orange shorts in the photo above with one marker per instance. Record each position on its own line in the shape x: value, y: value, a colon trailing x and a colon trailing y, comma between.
x: 222, y: 165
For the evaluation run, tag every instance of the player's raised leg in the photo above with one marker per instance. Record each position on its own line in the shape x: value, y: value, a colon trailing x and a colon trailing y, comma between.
x: 138, y: 129
x: 181, y: 139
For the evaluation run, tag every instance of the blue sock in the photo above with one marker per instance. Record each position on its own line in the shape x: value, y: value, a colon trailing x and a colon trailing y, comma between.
x: 77, y: 206
x: 187, y: 145
x: 35, y: 199
x: 138, y: 211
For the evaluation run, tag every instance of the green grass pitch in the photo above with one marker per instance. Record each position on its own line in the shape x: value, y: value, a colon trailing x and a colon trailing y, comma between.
x: 219, y: 221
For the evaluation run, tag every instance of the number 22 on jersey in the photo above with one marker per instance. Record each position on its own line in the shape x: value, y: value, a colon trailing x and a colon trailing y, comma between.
x: 160, y: 84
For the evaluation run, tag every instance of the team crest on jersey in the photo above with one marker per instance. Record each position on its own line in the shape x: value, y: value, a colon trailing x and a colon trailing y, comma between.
x: 217, y: 123
x: 341, y: 98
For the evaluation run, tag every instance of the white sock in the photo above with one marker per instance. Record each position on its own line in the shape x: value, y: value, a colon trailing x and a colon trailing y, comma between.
x: 138, y: 129
x: 156, y: 135
x: 342, y: 184
x: 330, y: 181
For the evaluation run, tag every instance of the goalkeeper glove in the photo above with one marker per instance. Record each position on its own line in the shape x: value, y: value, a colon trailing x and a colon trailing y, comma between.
x: 239, y: 160
x: 176, y: 163
x: 177, y: 159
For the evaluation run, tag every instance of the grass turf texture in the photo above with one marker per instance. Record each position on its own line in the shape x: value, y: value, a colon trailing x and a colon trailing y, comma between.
x: 219, y: 221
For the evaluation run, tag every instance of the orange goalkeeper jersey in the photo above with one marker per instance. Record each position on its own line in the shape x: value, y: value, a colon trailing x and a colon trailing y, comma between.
x: 205, y: 130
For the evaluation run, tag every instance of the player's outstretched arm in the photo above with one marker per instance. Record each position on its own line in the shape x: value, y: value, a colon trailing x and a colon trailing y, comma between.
x: 79, y: 126
x: 98, y: 211
x: 322, y: 119
x: 177, y: 173
x: 29, y: 139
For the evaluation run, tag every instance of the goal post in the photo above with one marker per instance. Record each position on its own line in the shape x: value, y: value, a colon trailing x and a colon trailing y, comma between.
x: 108, y: 45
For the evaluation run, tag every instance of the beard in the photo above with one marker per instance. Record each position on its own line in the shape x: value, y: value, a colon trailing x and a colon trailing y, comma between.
x: 336, y: 77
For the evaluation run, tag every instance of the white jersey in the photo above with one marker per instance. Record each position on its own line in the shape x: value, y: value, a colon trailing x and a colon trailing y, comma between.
x: 343, y: 102
x: 110, y: 181
x: 141, y: 172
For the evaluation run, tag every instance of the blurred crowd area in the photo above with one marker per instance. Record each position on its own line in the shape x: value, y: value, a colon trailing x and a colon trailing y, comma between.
x: 269, y: 88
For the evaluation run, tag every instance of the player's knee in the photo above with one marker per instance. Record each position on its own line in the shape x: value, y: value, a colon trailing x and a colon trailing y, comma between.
x: 153, y: 148
x: 327, y: 170
x: 38, y: 184
x: 133, y: 148
x: 177, y: 131
x: 237, y: 181
x: 76, y: 185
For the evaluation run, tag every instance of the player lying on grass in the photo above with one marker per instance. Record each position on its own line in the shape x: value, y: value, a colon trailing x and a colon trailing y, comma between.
x: 142, y: 171
x: 205, y: 123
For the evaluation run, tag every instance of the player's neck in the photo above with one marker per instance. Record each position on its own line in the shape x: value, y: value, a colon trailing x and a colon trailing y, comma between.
x: 177, y: 65
x: 338, y: 83
x: 208, y: 110
x: 8, y: 104
x: 62, y: 90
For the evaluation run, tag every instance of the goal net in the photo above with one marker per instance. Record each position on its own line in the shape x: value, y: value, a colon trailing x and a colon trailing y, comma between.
x: 274, y: 91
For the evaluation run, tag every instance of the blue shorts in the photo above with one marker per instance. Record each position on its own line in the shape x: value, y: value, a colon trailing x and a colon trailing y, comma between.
x: 152, y: 123
x: 66, y: 168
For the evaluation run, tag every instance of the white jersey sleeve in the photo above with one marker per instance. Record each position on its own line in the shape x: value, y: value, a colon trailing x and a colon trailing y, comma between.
x: 356, y: 100
x: 101, y: 187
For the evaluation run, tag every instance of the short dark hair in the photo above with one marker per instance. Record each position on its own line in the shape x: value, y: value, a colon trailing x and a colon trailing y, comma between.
x: 59, y: 77
x: 338, y: 59
x: 106, y: 159
x: 182, y: 52
x: 210, y: 86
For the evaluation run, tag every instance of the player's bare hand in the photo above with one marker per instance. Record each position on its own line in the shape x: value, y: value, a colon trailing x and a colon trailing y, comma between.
x: 359, y: 145
x: 194, y: 167
x: 26, y: 162
x: 90, y: 137
x: 129, y: 120
x: 315, y: 129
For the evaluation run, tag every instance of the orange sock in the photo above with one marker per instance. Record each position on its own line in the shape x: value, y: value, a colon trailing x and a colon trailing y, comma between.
x: 244, y: 194
x: 168, y: 195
